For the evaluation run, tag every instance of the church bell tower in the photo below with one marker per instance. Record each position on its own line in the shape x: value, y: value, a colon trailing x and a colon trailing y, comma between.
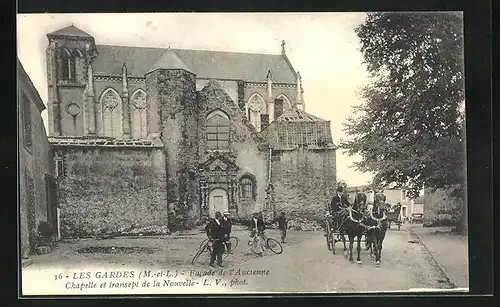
x: 69, y: 54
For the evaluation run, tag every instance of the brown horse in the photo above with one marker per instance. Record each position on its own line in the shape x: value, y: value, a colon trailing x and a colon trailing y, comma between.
x: 377, y: 223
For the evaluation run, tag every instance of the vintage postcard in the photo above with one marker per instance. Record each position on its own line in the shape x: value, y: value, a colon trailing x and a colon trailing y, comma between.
x: 241, y: 153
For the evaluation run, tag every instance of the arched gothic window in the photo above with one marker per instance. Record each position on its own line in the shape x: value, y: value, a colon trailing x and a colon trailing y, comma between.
x: 280, y: 104
x: 75, y: 64
x: 67, y: 65
x: 247, y: 187
x: 217, y: 130
x: 111, y: 105
x: 255, y: 107
x: 139, y: 121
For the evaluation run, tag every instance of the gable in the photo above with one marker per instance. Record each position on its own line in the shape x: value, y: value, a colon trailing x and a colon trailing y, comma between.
x: 219, y: 163
x: 249, y: 67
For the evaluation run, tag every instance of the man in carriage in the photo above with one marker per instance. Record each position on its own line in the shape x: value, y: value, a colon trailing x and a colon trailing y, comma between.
x: 339, y: 201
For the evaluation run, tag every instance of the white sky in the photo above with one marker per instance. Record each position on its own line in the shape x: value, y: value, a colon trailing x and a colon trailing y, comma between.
x: 322, y: 46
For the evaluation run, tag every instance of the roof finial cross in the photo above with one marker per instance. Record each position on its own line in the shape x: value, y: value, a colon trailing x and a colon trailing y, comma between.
x: 283, y: 47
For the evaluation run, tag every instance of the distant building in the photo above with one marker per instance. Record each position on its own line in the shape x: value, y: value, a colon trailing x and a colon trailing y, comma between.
x: 37, y: 183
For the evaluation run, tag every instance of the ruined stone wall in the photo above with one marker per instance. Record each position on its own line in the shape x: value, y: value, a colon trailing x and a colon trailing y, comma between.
x: 229, y: 86
x: 174, y: 92
x: 107, y: 189
x: 304, y: 181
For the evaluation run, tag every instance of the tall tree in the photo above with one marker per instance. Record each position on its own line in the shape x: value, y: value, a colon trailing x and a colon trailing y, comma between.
x: 409, y: 129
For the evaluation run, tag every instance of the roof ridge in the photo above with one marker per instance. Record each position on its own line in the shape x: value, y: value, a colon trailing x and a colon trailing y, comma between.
x: 202, y: 50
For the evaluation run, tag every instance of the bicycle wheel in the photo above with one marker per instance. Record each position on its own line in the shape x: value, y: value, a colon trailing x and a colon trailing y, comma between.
x: 198, y: 253
x: 274, y: 246
x: 232, y: 243
x: 203, y: 243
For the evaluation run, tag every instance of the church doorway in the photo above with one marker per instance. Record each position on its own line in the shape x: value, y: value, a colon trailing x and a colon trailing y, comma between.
x: 217, y: 201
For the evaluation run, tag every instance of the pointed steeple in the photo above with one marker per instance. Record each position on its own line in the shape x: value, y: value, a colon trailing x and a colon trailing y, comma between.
x: 170, y: 60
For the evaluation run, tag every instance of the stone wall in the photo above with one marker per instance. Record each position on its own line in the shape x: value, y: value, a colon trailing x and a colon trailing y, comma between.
x: 35, y: 163
x: 304, y: 181
x: 106, y: 189
x: 441, y: 208
x: 229, y: 86
x: 177, y: 109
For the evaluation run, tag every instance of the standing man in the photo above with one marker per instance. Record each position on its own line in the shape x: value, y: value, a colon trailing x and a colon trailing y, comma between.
x: 216, y: 233
x: 282, y: 226
x: 226, y: 222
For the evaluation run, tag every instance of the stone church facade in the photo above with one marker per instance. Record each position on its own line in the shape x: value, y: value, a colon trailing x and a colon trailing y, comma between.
x: 166, y: 137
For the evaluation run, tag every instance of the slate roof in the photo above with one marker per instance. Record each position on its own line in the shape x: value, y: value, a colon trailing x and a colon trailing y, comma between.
x: 170, y: 60
x: 205, y: 64
x: 70, y: 31
x: 296, y: 115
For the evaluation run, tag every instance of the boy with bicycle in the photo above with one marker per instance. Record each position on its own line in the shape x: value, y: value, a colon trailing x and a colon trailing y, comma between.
x: 257, y: 228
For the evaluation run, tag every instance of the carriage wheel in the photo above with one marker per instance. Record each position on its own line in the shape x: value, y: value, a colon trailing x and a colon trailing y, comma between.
x: 328, y: 237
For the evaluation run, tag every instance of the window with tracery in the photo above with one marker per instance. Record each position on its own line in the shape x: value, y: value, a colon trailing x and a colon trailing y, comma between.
x: 138, y: 117
x: 111, y: 104
x: 247, y: 188
x: 217, y: 130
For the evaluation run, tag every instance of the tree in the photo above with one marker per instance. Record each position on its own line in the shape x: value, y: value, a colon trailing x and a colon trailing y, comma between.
x: 409, y: 129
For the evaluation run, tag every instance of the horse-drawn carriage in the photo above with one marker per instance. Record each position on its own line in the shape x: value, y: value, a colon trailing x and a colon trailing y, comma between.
x: 355, y: 221
x: 333, y: 233
x: 394, y: 216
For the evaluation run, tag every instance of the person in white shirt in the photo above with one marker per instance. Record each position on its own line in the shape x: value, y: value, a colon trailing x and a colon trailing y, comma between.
x: 257, y: 228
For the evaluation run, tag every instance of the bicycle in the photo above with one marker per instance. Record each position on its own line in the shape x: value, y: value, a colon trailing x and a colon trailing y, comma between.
x: 269, y: 243
x: 206, y: 245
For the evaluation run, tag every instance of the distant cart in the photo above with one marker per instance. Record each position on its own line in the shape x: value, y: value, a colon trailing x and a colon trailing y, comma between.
x: 394, y: 216
x: 417, y: 218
